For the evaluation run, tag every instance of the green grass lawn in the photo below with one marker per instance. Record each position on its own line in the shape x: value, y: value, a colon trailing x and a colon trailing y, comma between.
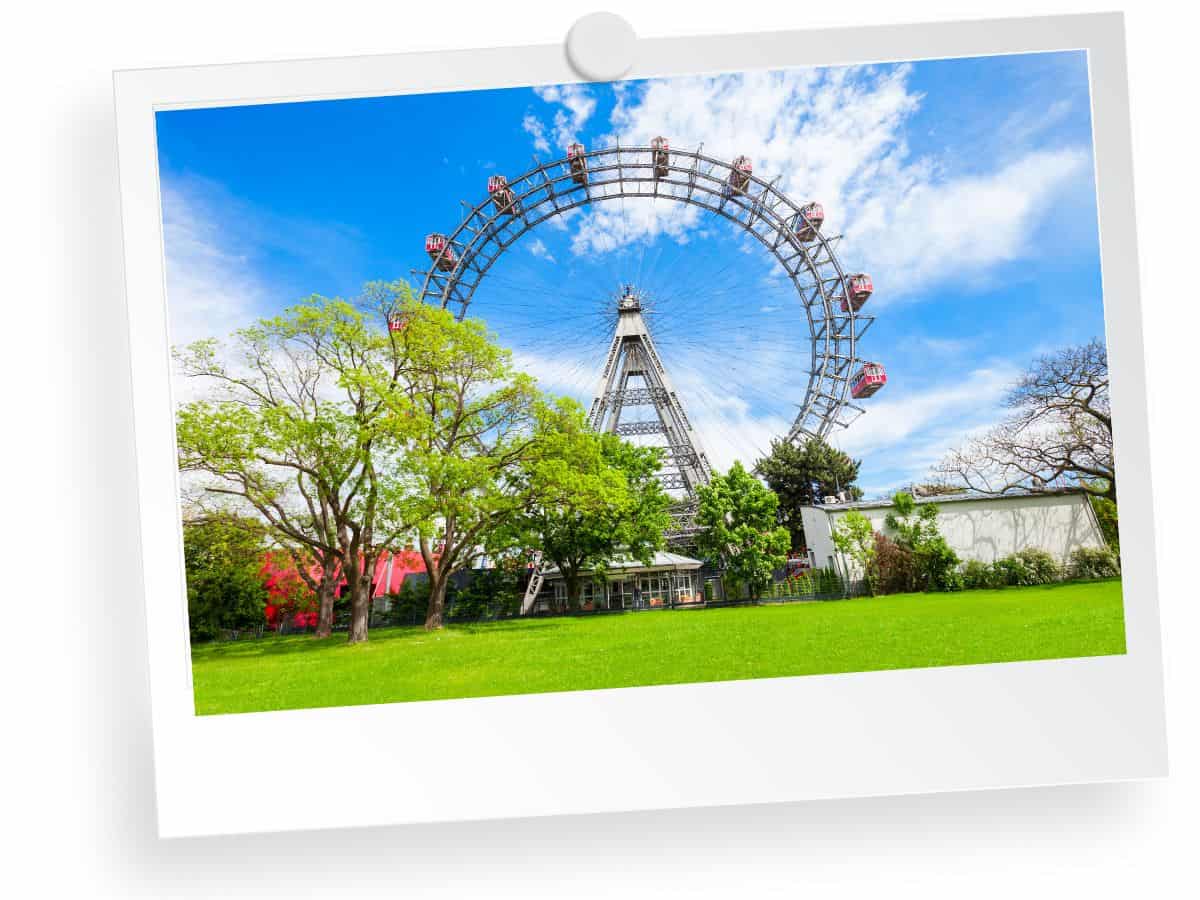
x: 661, y: 647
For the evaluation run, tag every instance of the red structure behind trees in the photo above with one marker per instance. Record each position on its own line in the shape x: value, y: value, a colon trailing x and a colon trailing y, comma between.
x: 291, y: 600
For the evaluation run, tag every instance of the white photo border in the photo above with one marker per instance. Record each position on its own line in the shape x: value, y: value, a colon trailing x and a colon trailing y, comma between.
x: 891, y: 732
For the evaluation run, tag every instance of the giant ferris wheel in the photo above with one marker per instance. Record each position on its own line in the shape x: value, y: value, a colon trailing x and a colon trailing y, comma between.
x: 830, y: 297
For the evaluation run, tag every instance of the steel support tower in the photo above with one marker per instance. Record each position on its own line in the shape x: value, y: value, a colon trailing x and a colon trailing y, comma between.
x: 634, y: 376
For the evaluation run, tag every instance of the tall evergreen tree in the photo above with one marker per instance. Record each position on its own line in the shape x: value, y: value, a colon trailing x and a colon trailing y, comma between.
x: 801, y: 475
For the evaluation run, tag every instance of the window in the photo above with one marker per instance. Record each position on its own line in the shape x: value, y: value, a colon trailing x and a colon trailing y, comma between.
x: 655, y: 588
x: 592, y: 592
x: 684, y: 589
x: 621, y: 594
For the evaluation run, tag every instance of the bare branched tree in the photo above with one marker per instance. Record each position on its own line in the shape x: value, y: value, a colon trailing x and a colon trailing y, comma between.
x: 1060, y: 430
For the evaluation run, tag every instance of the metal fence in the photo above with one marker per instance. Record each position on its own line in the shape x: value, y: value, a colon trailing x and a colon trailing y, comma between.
x: 809, y: 588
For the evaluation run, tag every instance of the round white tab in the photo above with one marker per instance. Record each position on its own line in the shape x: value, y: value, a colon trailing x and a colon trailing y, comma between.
x: 600, y: 46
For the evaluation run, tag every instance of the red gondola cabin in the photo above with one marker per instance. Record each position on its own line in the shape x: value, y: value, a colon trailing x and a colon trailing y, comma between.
x: 870, y: 378
x: 858, y: 292
x: 808, y: 221
x: 397, y: 322
x: 577, y: 159
x: 739, y: 175
x: 660, y: 156
x: 501, y: 194
x: 440, y: 252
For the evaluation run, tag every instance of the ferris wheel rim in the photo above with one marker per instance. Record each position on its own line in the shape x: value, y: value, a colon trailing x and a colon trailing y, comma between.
x: 834, y: 333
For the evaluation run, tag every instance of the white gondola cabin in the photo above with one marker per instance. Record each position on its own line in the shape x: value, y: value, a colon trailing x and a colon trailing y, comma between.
x: 501, y: 194
x: 869, y: 379
x: 660, y: 156
x: 858, y: 292
x: 440, y: 252
x: 808, y: 221
x: 577, y: 159
x: 739, y: 174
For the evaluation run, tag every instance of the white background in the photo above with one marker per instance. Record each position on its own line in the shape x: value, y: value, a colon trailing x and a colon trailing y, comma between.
x: 78, y: 792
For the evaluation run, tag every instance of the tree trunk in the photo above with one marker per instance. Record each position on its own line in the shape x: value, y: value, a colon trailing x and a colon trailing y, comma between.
x: 360, y: 598
x: 437, y: 601
x: 574, y: 589
x: 325, y: 598
x: 360, y: 610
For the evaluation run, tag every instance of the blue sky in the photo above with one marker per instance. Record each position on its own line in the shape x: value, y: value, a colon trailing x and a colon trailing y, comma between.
x: 965, y: 187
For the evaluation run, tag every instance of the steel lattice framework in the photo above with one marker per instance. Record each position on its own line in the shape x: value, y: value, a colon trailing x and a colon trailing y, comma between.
x: 615, y: 173
x: 633, y: 359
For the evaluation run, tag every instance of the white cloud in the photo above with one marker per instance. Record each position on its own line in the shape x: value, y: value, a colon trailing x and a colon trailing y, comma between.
x: 577, y: 105
x: 914, y: 232
x: 838, y: 135
x: 619, y: 223
x: 559, y: 373
x: 210, y: 288
x: 1025, y: 124
x: 562, y: 222
x: 213, y: 287
x: 534, y: 127
x: 574, y: 107
x: 917, y: 427
x: 538, y: 248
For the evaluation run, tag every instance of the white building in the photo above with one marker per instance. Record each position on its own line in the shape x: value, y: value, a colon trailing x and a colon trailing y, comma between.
x: 670, y: 580
x: 986, y: 528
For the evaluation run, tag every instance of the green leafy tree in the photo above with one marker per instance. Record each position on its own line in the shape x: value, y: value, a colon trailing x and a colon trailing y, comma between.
x: 290, y: 429
x: 222, y: 561
x: 792, y: 470
x: 1105, y: 509
x: 593, y: 497
x: 738, y: 516
x: 854, y: 537
x: 467, y: 422
x: 916, y: 529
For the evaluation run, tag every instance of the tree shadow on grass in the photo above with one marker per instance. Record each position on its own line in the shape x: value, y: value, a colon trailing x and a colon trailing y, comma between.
x: 1081, y: 582
x: 1052, y: 586
x: 276, y: 645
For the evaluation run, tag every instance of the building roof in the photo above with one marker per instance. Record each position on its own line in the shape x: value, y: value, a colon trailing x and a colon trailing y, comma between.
x: 947, y: 498
x: 663, y: 559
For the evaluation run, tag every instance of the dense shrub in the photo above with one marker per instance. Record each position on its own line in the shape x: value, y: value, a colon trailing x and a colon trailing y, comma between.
x: 894, y: 569
x: 489, y: 594
x: 1033, y: 566
x: 222, y: 559
x: 808, y: 584
x: 937, y: 566
x: 1040, y: 566
x: 1098, y: 562
x: 410, y: 605
x: 977, y: 574
x: 827, y: 581
x: 916, y: 529
x: 1009, y: 570
x: 1026, y: 567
